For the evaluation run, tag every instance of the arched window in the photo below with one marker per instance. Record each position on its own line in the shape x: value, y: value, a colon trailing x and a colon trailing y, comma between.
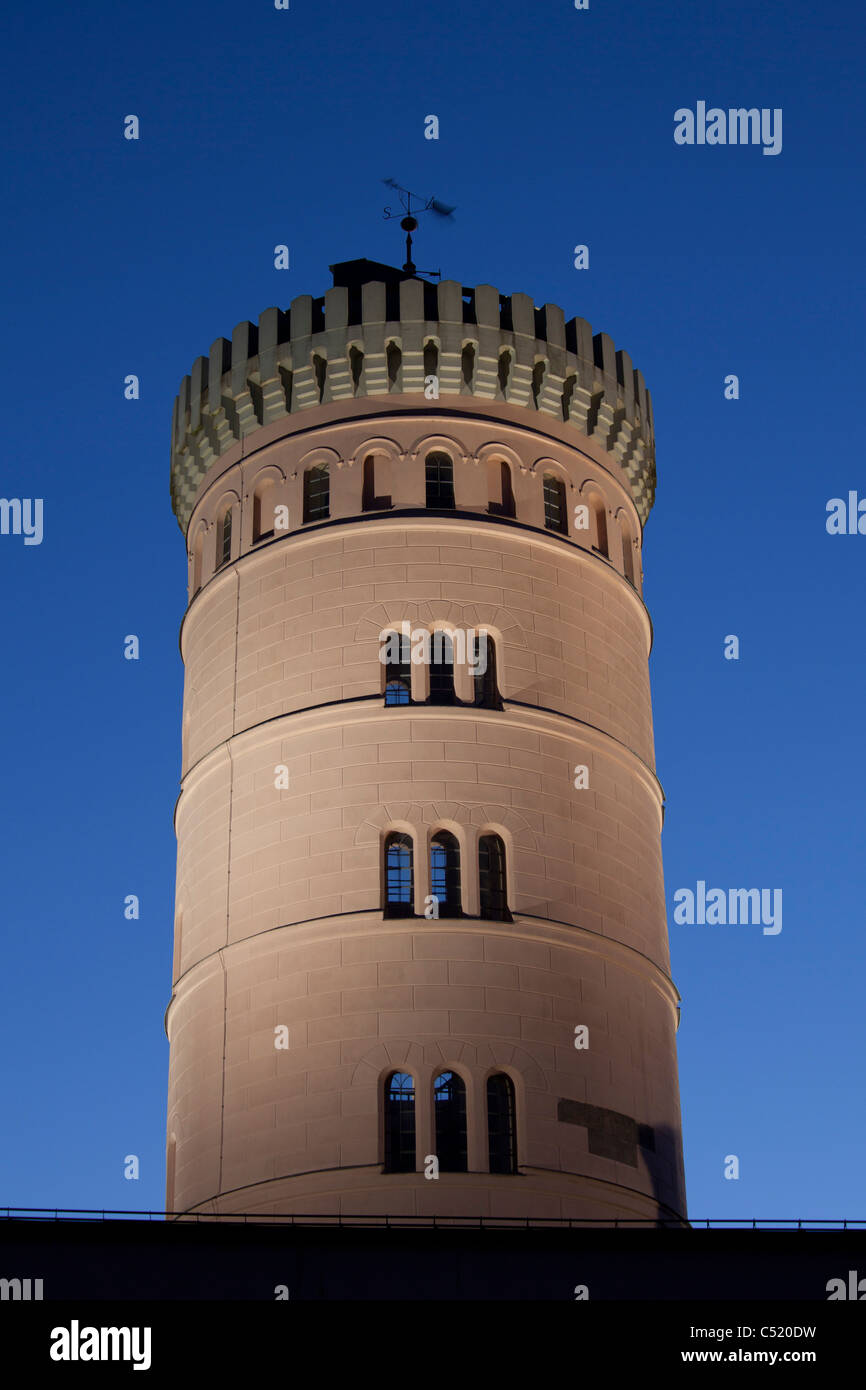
x: 197, y: 557
x: 486, y: 684
x: 491, y: 879
x: 440, y: 481
x: 399, y: 883
x: 400, y: 1123
x: 369, y: 501
x: 449, y: 1108
x: 398, y: 672
x: 441, y: 669
x: 599, y: 517
x: 445, y: 873
x: 317, y: 490
x: 225, y: 538
x: 627, y: 553
x: 499, y: 480
x: 501, y: 1128
x: 554, y: 504
x: 263, y: 511
x: 507, y: 490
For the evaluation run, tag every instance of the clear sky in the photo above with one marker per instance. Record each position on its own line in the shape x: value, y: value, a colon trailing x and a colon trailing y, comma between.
x: 261, y: 127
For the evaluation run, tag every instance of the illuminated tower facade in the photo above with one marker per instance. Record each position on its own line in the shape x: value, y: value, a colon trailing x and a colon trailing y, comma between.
x: 421, y: 958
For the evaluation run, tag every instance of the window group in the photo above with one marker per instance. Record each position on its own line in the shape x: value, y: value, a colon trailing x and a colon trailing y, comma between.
x: 450, y: 1138
x: 447, y: 891
x: 587, y: 520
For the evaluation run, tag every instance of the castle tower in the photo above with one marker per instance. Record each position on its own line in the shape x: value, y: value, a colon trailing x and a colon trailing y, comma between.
x: 420, y: 905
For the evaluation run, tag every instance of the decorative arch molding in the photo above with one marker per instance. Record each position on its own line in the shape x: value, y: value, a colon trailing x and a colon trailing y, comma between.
x: 546, y: 464
x: 229, y: 497
x: 387, y: 1057
x: 268, y: 473
x: 437, y: 443
x: 504, y: 821
x: 591, y: 485
x: 516, y: 1062
x: 399, y: 827
x: 494, y: 450
x: 379, y: 444
x: 515, y: 833
x: 474, y: 1062
x: 622, y: 514
x: 401, y: 817
x: 387, y: 615
x: 321, y: 454
x: 499, y: 622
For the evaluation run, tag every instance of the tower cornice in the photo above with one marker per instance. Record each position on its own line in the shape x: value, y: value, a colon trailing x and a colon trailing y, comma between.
x: 377, y: 338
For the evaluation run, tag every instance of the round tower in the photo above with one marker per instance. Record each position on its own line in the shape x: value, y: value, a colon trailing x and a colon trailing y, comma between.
x: 421, y: 959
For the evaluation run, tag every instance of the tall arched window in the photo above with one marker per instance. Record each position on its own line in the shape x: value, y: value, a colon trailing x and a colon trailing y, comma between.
x: 263, y: 511
x: 555, y: 518
x: 599, y: 518
x: 400, y: 1123
x: 317, y: 490
x: 225, y: 538
x: 501, y: 1128
x: 501, y: 492
x: 399, y: 881
x: 445, y: 873
x: 440, y: 481
x: 627, y: 553
x: 398, y: 671
x: 491, y: 879
x: 449, y: 1108
x: 486, y: 682
x: 369, y: 501
x: 507, y: 490
x: 441, y: 669
x: 197, y: 558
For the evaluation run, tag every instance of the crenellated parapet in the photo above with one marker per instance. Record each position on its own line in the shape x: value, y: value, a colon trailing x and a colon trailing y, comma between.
x: 383, y: 333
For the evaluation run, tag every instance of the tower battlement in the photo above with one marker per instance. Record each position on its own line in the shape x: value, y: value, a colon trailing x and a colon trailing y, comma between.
x: 379, y: 332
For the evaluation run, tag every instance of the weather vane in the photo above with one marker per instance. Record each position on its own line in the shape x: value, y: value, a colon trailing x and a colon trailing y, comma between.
x: 409, y: 223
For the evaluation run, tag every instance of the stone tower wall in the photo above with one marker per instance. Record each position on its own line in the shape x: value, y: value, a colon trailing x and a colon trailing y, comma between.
x: 279, y: 891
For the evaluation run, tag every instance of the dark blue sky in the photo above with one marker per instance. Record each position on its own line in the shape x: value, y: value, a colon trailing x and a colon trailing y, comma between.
x: 261, y: 127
